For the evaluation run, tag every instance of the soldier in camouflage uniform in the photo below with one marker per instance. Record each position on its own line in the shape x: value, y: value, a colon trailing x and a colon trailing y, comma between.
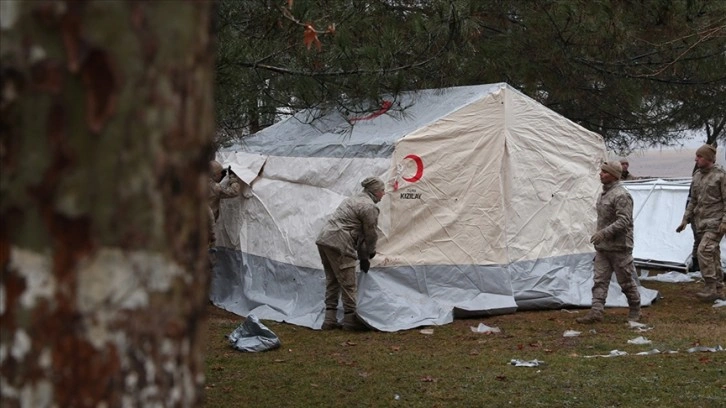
x: 706, y: 210
x: 613, y: 245
x: 218, y: 191
x: 626, y: 175
x: 349, y: 233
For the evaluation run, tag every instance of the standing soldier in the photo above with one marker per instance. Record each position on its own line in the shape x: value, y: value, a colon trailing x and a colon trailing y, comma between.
x: 218, y: 191
x: 349, y: 233
x: 706, y: 211
x: 626, y: 175
x: 613, y: 245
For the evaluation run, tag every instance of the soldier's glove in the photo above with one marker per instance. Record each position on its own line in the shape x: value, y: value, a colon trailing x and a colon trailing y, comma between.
x: 597, y: 238
x: 365, y: 265
x: 722, y: 228
x: 371, y: 255
x: 682, y: 226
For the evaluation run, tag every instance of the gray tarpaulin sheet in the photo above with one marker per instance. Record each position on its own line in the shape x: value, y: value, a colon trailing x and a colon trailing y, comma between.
x: 253, y: 336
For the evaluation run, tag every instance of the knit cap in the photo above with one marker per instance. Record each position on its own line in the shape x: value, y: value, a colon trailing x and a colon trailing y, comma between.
x: 708, y: 152
x: 372, y: 184
x: 614, y: 168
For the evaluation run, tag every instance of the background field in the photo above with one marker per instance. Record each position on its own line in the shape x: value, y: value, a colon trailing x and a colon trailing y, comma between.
x: 454, y: 367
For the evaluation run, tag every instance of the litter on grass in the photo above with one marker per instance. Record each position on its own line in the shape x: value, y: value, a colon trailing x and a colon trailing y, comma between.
x: 639, y: 340
x: 704, y: 348
x: 639, y: 326
x: 571, y: 333
x: 523, y: 363
x: 672, y: 277
x: 719, y: 303
x: 483, y: 328
x: 426, y: 331
x: 655, y: 351
x: 253, y: 336
x: 613, y: 353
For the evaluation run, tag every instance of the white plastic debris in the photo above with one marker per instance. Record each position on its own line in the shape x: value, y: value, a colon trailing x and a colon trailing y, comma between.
x: 639, y: 326
x: 646, y: 353
x: 523, y: 363
x: 671, y: 277
x: 719, y: 303
x: 639, y: 340
x: 704, y: 348
x: 571, y: 333
x: 613, y: 353
x: 483, y: 328
x: 426, y: 331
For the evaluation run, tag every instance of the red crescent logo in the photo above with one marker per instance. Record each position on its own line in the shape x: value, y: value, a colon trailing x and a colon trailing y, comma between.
x: 419, y: 168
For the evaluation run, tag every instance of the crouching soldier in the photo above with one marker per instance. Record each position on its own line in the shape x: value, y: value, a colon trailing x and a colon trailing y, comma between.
x: 349, y: 233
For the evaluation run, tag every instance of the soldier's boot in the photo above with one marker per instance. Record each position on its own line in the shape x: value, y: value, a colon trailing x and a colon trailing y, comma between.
x: 709, y: 292
x: 634, y: 313
x: 331, y: 320
x: 720, y: 295
x: 593, y: 316
x: 352, y: 322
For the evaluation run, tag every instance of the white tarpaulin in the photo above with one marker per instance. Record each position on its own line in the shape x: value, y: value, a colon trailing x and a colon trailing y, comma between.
x: 658, y: 207
x: 489, y: 207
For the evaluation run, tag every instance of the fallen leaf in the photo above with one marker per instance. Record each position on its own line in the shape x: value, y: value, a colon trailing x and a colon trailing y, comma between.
x: 310, y: 37
x: 501, y: 378
x: 395, y: 348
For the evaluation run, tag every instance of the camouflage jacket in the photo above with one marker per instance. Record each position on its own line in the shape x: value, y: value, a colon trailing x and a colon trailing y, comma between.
x: 707, y: 206
x: 615, y: 218
x: 352, y: 225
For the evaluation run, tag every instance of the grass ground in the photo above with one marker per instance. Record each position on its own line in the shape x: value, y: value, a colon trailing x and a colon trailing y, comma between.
x: 454, y: 367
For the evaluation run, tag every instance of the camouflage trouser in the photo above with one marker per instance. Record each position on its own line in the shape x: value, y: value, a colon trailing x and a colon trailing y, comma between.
x: 620, y: 263
x: 709, y: 257
x: 696, y: 243
x: 340, y: 279
x: 211, y: 238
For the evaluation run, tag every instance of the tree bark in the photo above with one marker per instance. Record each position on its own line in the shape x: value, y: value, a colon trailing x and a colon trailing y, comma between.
x: 107, y: 123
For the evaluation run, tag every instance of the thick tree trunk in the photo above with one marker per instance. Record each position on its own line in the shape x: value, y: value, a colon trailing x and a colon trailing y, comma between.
x: 107, y: 126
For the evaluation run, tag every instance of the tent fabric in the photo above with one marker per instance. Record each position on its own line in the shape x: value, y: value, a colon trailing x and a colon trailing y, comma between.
x: 489, y: 207
x: 658, y: 207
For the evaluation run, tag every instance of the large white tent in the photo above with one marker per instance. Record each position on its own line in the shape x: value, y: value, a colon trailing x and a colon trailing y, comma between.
x: 489, y: 208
